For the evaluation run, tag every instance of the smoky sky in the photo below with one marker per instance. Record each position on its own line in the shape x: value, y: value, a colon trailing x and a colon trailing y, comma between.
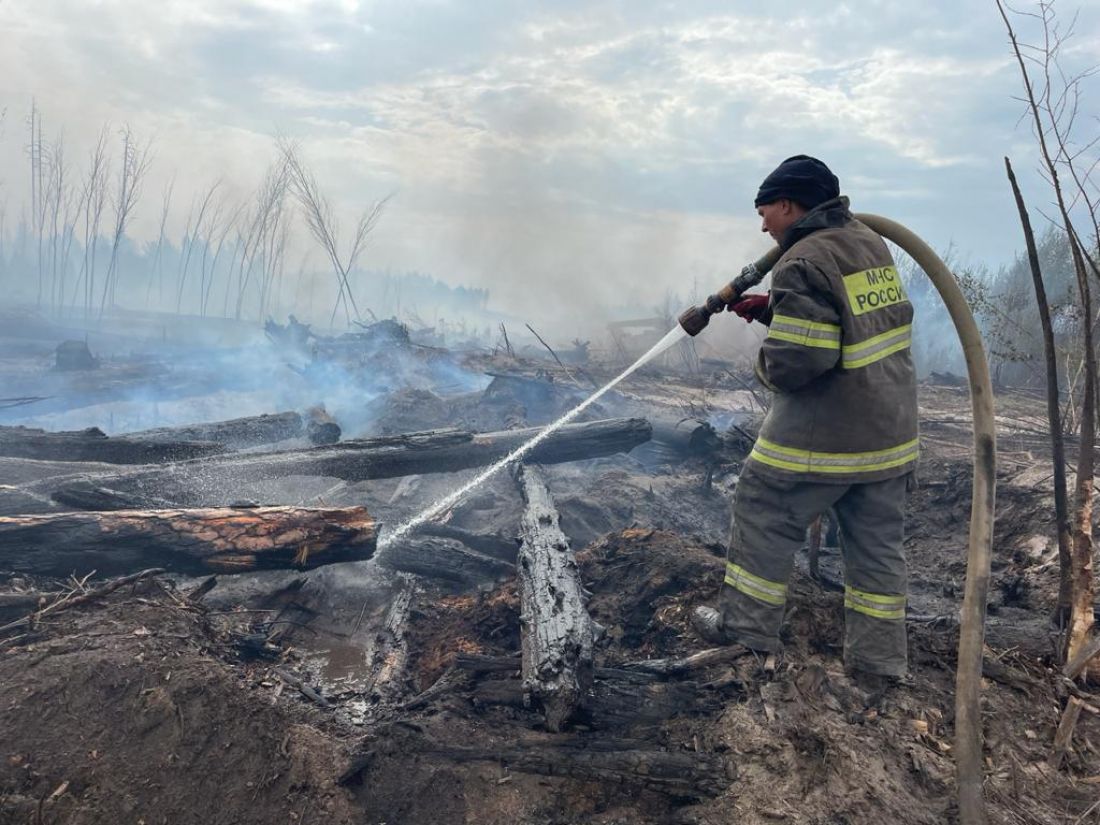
x: 569, y: 156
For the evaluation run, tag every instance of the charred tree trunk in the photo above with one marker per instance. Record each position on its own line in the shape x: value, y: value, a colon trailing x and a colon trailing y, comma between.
x: 94, y: 445
x: 225, y: 540
x: 236, y: 433
x: 609, y: 762
x: 219, y: 480
x: 1054, y: 411
x: 557, y: 630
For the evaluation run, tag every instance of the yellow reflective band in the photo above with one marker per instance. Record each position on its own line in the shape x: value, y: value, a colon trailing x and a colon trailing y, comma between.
x: 875, y: 605
x: 769, y: 592
x: 803, y: 339
x: 875, y: 598
x: 874, y: 289
x: 806, y: 333
x: 874, y: 612
x: 805, y: 461
x: 877, y: 347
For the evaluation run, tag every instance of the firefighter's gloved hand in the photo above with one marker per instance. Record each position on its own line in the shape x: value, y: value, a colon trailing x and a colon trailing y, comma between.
x: 753, y: 308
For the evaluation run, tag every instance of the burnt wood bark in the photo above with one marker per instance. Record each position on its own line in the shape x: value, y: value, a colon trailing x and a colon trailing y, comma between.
x: 218, y: 480
x: 613, y: 703
x: 556, y: 629
x: 226, y: 540
x: 445, y: 560
x: 93, y: 445
x: 1054, y: 406
x: 488, y: 544
x: 236, y: 433
x: 674, y: 440
x: 610, y: 762
x: 321, y: 428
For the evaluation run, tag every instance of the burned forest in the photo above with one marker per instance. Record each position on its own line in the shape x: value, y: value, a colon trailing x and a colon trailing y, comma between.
x: 382, y: 440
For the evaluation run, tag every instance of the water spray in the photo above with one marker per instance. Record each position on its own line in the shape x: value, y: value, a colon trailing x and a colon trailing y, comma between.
x: 677, y: 333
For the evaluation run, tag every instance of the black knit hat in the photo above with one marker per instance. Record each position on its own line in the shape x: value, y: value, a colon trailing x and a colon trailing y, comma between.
x: 802, y: 179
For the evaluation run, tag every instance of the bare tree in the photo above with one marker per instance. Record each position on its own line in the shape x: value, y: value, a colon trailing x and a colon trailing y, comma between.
x: 225, y: 226
x: 38, y: 199
x: 1054, y: 413
x: 135, y: 163
x: 262, y: 224
x: 1053, y: 104
x: 94, y: 199
x: 195, y: 227
x: 325, y: 228
x: 156, y: 272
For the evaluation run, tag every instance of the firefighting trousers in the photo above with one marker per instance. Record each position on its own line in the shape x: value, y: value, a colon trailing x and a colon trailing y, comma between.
x: 770, y: 517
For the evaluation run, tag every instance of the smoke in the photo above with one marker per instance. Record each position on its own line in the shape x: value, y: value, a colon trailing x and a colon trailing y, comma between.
x: 168, y: 372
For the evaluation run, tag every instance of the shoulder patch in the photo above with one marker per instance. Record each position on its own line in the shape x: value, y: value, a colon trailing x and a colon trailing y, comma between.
x: 873, y: 289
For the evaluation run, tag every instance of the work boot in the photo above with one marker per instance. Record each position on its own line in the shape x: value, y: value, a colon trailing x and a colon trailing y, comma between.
x: 708, y: 623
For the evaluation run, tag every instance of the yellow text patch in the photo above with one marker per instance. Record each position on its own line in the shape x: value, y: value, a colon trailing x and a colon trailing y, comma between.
x: 874, y: 289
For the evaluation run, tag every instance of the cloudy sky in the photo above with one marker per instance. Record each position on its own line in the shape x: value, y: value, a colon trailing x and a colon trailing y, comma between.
x: 562, y: 154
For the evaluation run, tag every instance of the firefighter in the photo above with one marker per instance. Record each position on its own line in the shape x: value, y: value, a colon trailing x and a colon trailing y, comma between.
x: 842, y: 429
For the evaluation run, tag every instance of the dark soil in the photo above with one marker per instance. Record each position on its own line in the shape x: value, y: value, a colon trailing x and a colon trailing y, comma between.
x: 139, y: 710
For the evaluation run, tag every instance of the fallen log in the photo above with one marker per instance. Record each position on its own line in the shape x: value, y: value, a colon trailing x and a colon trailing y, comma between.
x: 93, y: 444
x: 488, y: 544
x: 445, y: 560
x: 237, y: 433
x: 624, y: 763
x: 224, y: 540
x: 557, y: 631
x: 218, y: 481
x: 613, y: 704
x: 676, y: 440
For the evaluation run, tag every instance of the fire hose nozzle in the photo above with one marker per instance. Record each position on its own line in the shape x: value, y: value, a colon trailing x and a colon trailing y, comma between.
x: 695, y: 319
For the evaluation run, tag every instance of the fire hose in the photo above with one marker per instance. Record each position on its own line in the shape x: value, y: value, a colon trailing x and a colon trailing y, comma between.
x: 968, y: 728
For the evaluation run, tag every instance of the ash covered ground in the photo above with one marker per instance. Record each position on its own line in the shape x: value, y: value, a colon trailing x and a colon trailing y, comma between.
x: 388, y: 691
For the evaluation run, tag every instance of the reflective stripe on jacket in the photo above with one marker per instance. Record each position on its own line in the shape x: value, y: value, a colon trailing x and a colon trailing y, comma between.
x: 837, y: 356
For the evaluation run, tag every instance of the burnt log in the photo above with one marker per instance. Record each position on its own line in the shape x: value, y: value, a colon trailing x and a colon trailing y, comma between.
x: 676, y: 440
x: 613, y: 704
x: 321, y: 428
x: 222, y: 540
x: 218, y: 480
x: 93, y: 444
x: 445, y: 560
x: 488, y: 544
x: 622, y: 763
x: 237, y: 433
x: 557, y: 631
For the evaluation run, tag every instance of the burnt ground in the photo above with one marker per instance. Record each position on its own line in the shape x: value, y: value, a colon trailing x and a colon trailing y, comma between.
x: 338, y: 696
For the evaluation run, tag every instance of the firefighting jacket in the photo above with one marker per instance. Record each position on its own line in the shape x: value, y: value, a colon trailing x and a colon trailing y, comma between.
x: 837, y: 356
